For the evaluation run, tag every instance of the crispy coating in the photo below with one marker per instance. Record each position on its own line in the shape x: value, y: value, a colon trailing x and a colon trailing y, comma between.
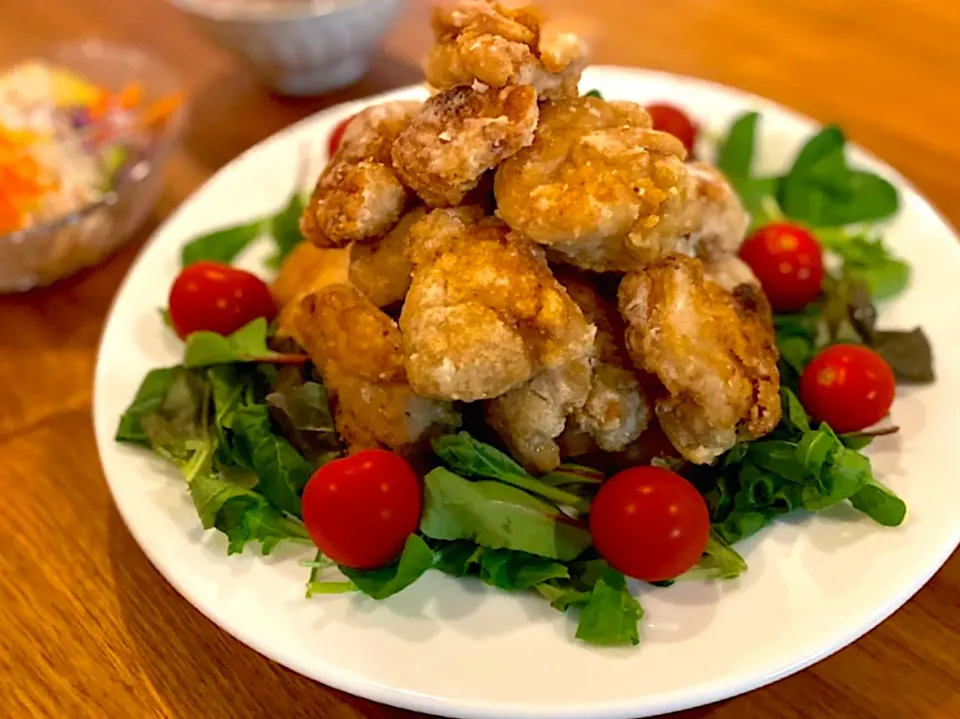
x: 598, y: 186
x: 530, y: 417
x: 716, y: 212
x: 729, y: 271
x: 460, y: 134
x: 616, y: 409
x: 712, y: 350
x: 483, y: 314
x: 380, y: 269
x: 358, y: 351
x: 306, y: 269
x: 480, y: 41
x: 358, y: 196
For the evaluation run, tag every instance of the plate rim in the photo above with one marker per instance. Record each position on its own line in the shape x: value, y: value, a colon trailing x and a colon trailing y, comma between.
x: 352, y: 683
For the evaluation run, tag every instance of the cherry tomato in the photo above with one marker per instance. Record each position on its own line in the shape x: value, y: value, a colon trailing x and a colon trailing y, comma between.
x: 336, y: 137
x: 788, y: 261
x: 359, y: 510
x: 217, y: 298
x: 668, y: 118
x: 649, y: 523
x: 850, y: 387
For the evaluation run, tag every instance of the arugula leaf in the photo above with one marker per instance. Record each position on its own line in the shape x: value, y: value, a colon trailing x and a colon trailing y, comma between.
x: 821, y: 190
x: 222, y: 245
x: 735, y: 153
x: 506, y: 569
x: 468, y: 457
x: 416, y: 558
x: 573, y: 474
x: 285, y: 229
x: 611, y: 615
x: 908, y: 353
x: 166, y: 318
x: 735, y: 160
x: 151, y: 393
x: 243, y: 515
x: 719, y: 561
x: 179, y: 428
x: 458, y: 558
x: 880, y: 504
x: 303, y: 411
x: 282, y: 473
x: 867, y: 259
x: 247, y: 344
x: 794, y: 415
x: 498, y: 516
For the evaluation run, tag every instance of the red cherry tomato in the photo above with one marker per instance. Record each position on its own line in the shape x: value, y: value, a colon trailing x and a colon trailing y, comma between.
x: 359, y: 510
x: 788, y: 261
x: 668, y: 118
x: 217, y: 298
x: 336, y: 137
x: 850, y: 387
x: 649, y: 523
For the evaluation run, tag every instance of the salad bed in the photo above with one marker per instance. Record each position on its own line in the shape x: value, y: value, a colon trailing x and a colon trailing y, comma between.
x: 248, y: 425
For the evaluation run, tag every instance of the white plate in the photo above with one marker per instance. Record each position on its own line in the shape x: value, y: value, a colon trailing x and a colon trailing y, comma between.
x: 458, y: 648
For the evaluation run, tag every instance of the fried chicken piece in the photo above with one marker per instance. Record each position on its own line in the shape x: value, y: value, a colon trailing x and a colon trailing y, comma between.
x: 729, y: 271
x: 616, y: 410
x: 306, y: 269
x: 460, y: 134
x: 358, y: 351
x: 358, y: 195
x: 598, y: 186
x: 530, y: 417
x: 712, y: 350
x: 716, y: 212
x: 483, y: 314
x: 380, y: 269
x: 480, y: 41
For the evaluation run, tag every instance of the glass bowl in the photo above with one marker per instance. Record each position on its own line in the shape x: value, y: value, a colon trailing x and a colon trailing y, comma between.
x: 46, y: 252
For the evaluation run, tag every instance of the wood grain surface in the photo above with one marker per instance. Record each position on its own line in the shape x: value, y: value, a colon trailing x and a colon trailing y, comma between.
x: 91, y: 630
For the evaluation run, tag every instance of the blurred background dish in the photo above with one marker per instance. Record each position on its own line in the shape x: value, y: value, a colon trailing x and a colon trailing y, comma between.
x: 298, y: 47
x: 84, y: 131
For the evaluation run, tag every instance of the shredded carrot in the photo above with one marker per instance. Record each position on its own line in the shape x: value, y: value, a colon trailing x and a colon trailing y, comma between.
x: 161, y: 109
x: 101, y: 103
x: 130, y: 96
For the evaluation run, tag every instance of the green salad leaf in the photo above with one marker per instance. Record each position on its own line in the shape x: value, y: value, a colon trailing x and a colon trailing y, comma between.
x: 798, y: 467
x: 867, y: 259
x: 303, y: 412
x: 247, y: 344
x: 417, y: 557
x: 735, y: 159
x: 880, y: 504
x: 243, y: 515
x: 735, y: 151
x: 908, y: 353
x: 147, y: 401
x: 281, y: 471
x: 468, y: 457
x: 593, y: 93
x: 223, y: 245
x: 207, y: 422
x: 498, y: 516
x: 821, y: 190
x: 611, y: 615
x: 285, y: 229
x: 719, y: 561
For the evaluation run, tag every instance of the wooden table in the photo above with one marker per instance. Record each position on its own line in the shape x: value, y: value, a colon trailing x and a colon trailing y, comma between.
x: 90, y: 629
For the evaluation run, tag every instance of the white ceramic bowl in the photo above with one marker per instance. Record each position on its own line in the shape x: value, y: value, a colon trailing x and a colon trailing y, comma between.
x: 298, y: 47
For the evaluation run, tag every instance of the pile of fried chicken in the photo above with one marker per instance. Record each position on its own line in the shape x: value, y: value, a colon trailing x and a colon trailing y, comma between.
x: 546, y: 255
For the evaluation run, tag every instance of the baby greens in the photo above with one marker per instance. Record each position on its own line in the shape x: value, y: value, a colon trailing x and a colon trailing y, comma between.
x: 247, y: 344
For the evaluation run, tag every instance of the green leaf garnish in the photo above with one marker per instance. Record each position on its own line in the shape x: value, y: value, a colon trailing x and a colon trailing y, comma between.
x: 247, y: 344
